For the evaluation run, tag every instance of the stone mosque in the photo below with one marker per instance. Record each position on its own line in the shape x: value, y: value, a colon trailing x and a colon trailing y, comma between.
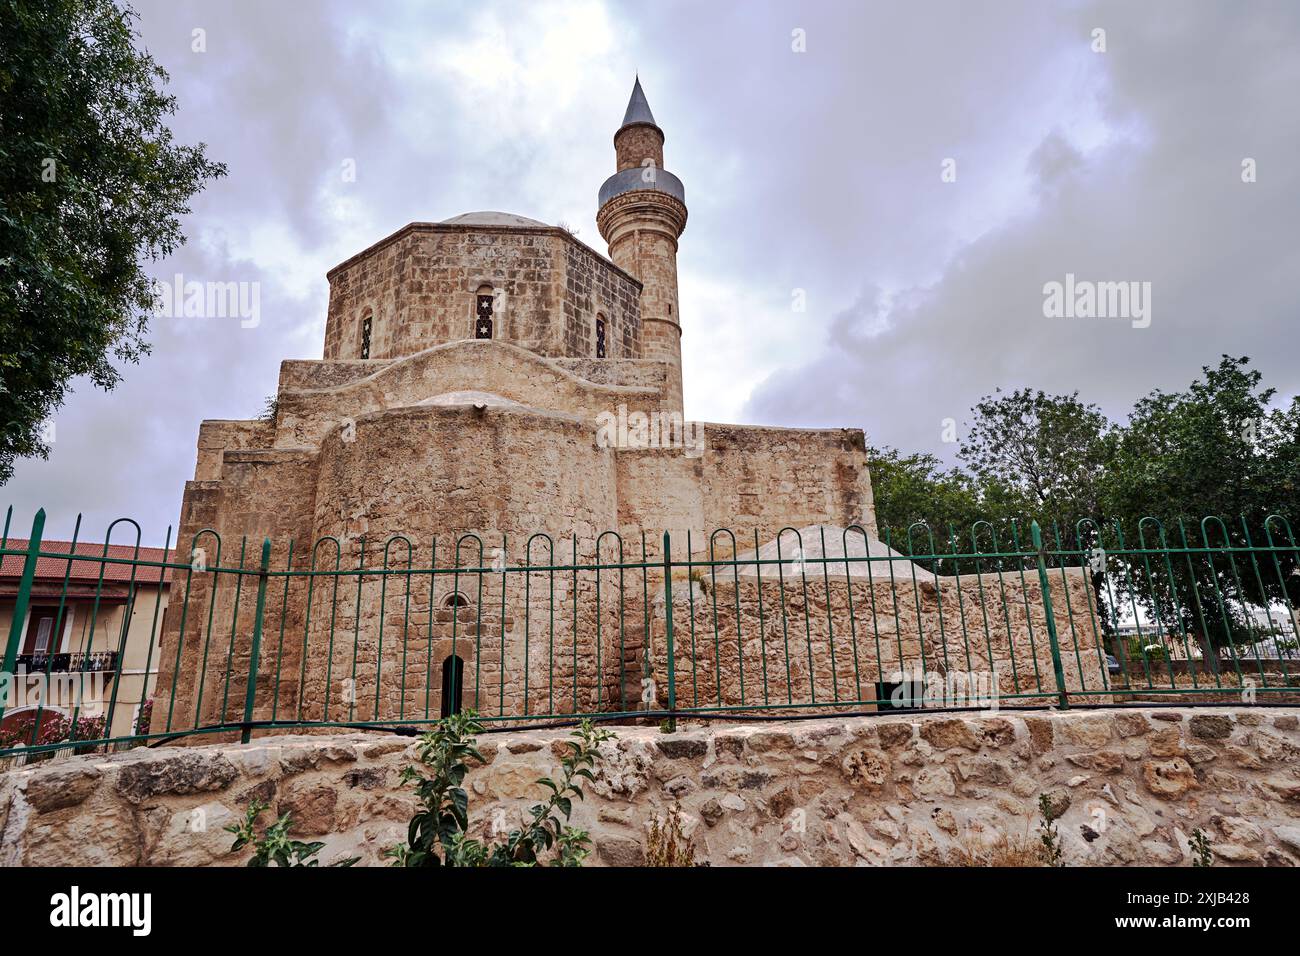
x: 467, y: 365
x: 489, y: 376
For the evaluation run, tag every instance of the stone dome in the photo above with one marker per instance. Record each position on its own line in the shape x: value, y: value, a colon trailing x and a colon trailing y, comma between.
x: 491, y: 218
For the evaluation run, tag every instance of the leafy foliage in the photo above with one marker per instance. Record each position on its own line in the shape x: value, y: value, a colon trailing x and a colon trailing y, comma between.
x: 1050, y: 851
x: 438, y: 834
x: 273, y: 847
x: 1215, y: 449
x: 144, y: 717
x: 54, y: 728
x: 916, y: 488
x: 91, y: 183
x: 1202, y: 857
x: 1045, y: 453
x: 1103, y: 491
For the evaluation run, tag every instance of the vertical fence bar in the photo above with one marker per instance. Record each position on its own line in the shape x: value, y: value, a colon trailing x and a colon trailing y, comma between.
x: 250, y: 693
x: 1037, y: 535
x: 668, y: 633
x: 24, y: 598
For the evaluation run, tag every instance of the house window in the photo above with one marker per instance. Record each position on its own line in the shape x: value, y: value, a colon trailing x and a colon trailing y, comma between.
x: 453, y: 682
x: 40, y: 630
x: 600, y: 336
x: 365, y: 337
x: 483, y: 313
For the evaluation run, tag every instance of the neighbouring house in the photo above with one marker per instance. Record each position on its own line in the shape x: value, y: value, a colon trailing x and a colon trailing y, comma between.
x: 91, y: 625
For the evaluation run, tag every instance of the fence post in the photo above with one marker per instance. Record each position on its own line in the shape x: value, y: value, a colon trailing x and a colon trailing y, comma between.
x: 20, y: 608
x: 668, y: 632
x: 1037, y: 534
x: 255, y: 651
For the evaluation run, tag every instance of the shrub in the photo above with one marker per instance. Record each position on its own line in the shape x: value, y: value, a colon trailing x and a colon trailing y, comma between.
x: 55, y: 728
x: 1201, y: 854
x: 274, y: 847
x: 1050, y: 841
x: 438, y: 834
x: 143, y: 718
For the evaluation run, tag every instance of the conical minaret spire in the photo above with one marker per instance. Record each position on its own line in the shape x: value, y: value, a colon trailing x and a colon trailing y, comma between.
x: 638, y: 109
x: 642, y: 213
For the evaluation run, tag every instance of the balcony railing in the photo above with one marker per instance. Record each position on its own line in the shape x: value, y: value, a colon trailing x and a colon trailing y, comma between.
x: 68, y: 663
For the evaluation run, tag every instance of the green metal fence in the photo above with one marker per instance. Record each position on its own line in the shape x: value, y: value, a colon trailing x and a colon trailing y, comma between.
x: 259, y: 637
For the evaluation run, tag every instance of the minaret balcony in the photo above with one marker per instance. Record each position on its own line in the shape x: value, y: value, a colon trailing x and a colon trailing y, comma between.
x: 647, y: 177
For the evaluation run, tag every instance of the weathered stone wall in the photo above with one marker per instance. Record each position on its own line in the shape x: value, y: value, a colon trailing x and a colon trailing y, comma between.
x: 801, y: 640
x: 771, y: 478
x: 419, y: 287
x: 1131, y: 786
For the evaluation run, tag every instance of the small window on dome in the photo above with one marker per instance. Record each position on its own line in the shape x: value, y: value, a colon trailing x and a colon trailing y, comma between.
x: 483, y: 313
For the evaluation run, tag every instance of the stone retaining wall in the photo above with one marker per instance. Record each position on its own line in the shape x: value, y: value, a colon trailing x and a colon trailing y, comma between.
x: 1132, y: 786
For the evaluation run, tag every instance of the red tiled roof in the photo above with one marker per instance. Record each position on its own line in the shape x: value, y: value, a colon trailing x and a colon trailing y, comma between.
x: 54, y: 568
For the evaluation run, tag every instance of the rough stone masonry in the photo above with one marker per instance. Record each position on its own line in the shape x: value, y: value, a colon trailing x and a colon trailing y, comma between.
x: 1130, y: 787
x: 467, y: 365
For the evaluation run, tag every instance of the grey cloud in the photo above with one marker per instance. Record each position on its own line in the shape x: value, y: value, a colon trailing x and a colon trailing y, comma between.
x: 817, y: 170
x: 1189, y: 92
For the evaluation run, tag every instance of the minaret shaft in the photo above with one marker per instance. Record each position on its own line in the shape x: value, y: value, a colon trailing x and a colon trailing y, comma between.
x: 642, y: 214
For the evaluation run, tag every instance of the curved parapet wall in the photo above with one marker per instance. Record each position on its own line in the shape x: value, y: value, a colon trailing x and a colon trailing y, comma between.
x: 306, y: 416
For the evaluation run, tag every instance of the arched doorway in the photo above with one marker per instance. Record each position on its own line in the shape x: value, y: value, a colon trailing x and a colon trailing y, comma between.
x: 453, y: 685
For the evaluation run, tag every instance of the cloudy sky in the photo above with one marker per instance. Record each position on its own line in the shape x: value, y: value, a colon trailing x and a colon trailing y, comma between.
x: 813, y: 176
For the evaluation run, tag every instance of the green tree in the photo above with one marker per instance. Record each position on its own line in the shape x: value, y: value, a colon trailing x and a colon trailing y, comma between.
x: 917, y: 488
x: 923, y: 508
x: 1220, y: 449
x: 1047, y: 453
x: 91, y: 184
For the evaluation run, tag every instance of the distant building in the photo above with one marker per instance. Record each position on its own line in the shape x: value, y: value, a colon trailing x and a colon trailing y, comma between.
x: 92, y: 626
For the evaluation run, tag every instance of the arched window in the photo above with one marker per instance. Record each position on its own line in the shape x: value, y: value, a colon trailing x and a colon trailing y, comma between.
x: 455, y: 599
x: 365, y: 336
x: 600, y: 336
x: 453, y: 684
x: 483, y: 313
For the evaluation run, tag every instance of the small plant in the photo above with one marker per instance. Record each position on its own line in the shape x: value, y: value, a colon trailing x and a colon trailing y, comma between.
x: 667, y: 844
x: 1201, y: 855
x: 1006, y: 849
x: 143, y: 718
x: 1050, y: 851
x: 438, y: 834
x: 274, y: 846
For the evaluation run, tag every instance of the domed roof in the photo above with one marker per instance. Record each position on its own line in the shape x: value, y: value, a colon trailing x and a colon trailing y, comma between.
x: 490, y: 218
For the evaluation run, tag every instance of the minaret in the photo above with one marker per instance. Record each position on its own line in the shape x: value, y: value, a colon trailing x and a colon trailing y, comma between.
x: 642, y: 212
